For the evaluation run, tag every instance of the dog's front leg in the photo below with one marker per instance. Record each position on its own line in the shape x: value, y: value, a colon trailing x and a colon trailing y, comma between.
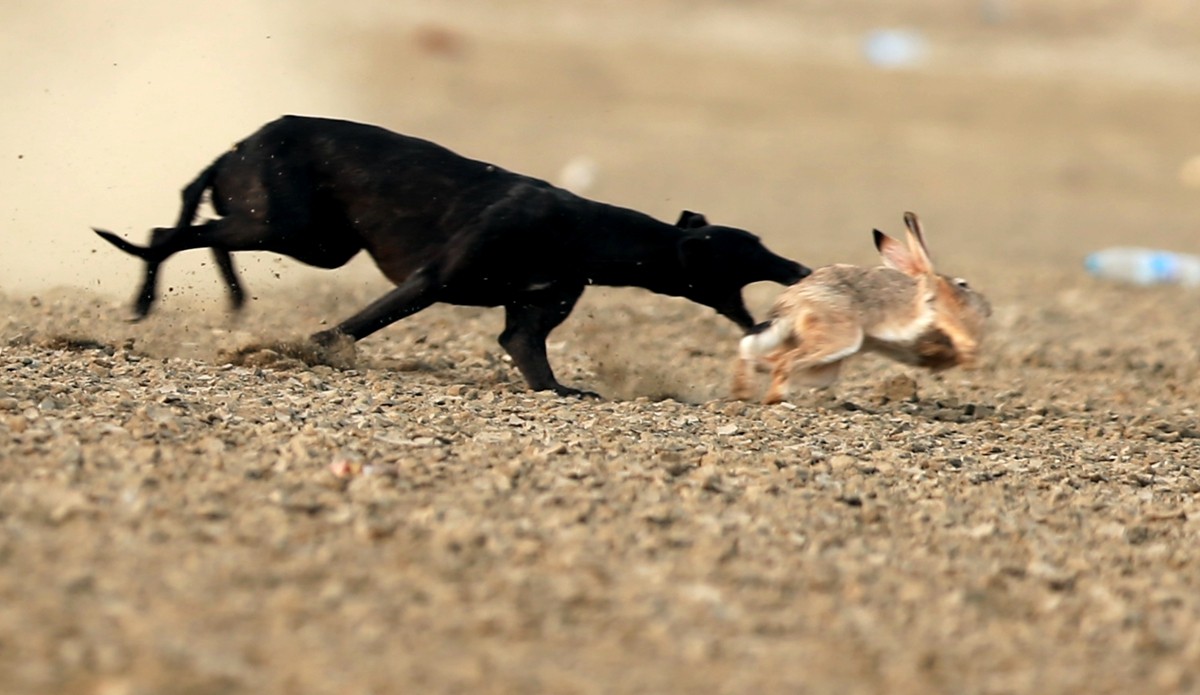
x: 413, y: 295
x: 527, y: 324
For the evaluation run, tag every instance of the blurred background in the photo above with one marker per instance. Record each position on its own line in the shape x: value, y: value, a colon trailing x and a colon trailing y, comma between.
x: 1026, y: 132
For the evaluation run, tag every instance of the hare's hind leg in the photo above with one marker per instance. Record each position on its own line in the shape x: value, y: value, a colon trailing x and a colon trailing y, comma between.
x: 825, y: 344
x: 757, y: 352
x: 780, y: 376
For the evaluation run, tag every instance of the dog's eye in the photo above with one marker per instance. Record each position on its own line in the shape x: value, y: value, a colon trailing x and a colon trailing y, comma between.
x: 962, y: 283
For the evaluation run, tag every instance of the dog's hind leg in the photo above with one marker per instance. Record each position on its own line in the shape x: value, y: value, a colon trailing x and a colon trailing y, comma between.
x: 527, y: 323
x: 237, y: 295
x: 157, y: 252
x: 223, y: 235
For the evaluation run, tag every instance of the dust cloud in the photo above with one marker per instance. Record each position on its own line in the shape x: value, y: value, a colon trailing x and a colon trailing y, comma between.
x: 111, y: 109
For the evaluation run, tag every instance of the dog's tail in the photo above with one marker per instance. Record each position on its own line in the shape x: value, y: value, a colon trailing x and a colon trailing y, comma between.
x: 128, y: 247
x: 192, y: 196
x: 165, y: 241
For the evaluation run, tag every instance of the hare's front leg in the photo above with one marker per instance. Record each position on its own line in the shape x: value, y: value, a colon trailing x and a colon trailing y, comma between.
x: 743, y: 375
x: 822, y: 375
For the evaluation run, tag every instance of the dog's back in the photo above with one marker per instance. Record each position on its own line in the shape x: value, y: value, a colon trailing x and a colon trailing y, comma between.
x: 340, y: 186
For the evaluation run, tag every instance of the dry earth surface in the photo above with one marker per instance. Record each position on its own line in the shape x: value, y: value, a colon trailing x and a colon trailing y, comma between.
x: 413, y: 520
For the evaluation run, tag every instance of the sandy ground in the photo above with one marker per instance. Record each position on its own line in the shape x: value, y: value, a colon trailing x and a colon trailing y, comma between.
x: 174, y: 523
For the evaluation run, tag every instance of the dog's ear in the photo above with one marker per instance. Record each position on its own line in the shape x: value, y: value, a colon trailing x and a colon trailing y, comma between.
x: 691, y: 220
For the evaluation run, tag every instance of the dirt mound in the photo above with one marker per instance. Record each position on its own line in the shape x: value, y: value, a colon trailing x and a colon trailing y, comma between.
x: 293, y: 353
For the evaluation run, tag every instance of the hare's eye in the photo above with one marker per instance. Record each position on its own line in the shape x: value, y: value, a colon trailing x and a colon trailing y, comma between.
x: 962, y: 283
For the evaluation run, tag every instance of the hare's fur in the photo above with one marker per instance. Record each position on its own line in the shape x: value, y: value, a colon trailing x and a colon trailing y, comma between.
x: 902, y: 309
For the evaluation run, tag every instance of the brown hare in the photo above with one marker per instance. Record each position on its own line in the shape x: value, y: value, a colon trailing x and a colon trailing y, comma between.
x: 901, y: 309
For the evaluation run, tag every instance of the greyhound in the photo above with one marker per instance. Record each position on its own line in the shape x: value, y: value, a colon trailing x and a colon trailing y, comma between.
x: 445, y: 228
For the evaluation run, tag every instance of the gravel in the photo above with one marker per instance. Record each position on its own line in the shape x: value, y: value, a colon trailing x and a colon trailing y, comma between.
x: 171, y: 522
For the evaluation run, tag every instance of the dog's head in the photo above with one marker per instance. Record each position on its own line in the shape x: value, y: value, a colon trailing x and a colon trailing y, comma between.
x: 719, y: 261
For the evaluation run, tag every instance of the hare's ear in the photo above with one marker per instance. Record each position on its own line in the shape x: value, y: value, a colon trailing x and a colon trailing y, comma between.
x: 897, y: 256
x: 916, y: 243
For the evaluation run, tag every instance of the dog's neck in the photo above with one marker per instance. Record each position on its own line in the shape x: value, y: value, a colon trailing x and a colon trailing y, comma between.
x: 627, y: 248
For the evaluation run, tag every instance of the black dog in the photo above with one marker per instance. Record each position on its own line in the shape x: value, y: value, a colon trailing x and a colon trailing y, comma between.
x: 447, y: 229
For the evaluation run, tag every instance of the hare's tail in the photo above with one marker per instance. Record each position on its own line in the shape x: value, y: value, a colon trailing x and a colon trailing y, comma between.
x: 770, y: 337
